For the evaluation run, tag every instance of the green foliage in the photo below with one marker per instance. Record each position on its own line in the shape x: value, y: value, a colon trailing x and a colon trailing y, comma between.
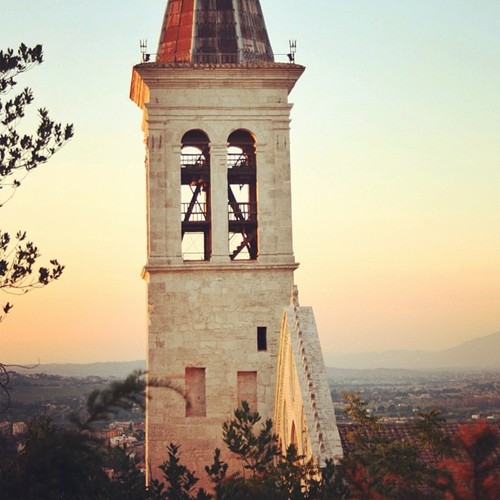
x: 380, y: 467
x: 429, y: 429
x: 329, y: 483
x: 102, y: 404
x: 272, y: 475
x: 292, y: 477
x: 357, y: 410
x: 72, y: 463
x: 54, y: 464
x: 181, y: 480
x: 217, y: 473
x: 256, y: 449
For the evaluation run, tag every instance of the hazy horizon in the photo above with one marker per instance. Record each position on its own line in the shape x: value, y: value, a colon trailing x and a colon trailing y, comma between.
x: 326, y: 353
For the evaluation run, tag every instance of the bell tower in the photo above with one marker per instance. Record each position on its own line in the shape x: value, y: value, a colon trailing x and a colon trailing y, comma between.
x: 220, y: 260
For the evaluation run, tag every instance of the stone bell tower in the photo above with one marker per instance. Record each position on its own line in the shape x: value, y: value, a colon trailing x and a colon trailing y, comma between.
x: 220, y: 260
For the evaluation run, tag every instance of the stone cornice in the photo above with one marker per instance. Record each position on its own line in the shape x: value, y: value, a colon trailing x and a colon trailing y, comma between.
x: 219, y: 268
x: 184, y: 65
x: 148, y: 76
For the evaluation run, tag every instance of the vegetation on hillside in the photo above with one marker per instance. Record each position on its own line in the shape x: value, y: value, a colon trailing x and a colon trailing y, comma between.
x: 74, y: 463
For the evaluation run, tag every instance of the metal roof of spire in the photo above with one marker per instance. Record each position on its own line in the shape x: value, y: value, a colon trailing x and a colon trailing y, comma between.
x: 214, y: 32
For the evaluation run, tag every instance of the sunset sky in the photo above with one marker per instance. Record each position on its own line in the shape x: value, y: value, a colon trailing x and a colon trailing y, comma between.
x: 395, y: 172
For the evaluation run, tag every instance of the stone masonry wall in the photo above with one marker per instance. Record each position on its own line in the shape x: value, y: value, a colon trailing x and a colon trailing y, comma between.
x: 210, y: 322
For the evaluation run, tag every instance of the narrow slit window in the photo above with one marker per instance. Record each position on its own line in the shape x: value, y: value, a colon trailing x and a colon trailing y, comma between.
x: 196, y: 392
x: 262, y: 338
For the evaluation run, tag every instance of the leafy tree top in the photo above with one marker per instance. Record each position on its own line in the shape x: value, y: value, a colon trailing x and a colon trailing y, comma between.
x: 21, y: 153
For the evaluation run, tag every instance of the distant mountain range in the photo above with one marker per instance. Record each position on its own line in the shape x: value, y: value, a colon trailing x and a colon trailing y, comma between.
x: 480, y: 353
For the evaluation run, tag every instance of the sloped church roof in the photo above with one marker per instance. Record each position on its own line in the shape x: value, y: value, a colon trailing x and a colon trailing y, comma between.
x: 214, y: 32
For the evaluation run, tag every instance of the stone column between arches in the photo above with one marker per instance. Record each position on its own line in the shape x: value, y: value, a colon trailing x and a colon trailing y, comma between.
x: 218, y: 187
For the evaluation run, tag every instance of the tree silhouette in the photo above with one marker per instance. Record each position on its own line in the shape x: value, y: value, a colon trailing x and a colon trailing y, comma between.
x: 72, y: 462
x: 20, y: 153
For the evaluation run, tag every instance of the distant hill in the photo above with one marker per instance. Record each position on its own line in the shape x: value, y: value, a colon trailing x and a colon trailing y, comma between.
x: 118, y: 369
x: 480, y: 353
x: 476, y: 354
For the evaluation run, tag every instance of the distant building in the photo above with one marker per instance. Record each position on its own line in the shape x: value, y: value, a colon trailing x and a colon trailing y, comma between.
x: 19, y: 428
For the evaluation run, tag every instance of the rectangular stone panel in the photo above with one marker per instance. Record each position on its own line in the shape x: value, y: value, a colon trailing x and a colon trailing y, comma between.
x: 196, y: 406
x: 247, y: 389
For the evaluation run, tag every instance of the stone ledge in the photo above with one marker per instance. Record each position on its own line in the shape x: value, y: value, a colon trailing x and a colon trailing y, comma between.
x: 226, y: 267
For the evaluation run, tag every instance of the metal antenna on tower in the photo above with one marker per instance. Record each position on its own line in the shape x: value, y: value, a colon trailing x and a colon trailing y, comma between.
x: 144, y: 50
x: 293, y: 49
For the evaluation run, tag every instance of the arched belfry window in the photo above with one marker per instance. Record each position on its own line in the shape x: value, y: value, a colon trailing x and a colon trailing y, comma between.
x: 242, y: 195
x: 195, y: 196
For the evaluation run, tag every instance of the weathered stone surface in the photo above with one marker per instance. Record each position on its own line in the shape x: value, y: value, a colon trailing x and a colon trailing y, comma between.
x: 205, y: 314
x: 303, y: 412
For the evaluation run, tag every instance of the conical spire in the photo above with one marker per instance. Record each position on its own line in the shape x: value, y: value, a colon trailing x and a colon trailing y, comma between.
x: 214, y: 32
